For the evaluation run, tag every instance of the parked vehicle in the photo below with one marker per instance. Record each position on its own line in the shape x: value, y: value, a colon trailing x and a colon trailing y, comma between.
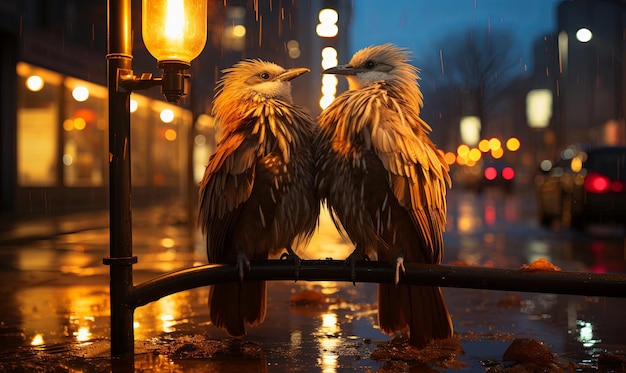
x: 485, y: 174
x: 585, y: 184
x: 498, y: 174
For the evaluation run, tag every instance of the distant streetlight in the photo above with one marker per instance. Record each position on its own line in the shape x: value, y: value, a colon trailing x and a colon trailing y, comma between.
x: 584, y: 35
x: 327, y: 28
x: 539, y: 108
x: 470, y: 130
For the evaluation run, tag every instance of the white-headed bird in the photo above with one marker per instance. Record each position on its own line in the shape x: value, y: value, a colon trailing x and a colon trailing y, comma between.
x: 385, y: 183
x: 257, y: 196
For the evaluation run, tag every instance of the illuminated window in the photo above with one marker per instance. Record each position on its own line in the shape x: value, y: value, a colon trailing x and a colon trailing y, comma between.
x: 168, y: 133
x: 85, y: 137
x: 141, y: 124
x: 37, y: 126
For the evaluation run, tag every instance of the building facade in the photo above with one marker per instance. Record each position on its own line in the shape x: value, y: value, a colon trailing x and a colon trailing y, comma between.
x: 53, y: 112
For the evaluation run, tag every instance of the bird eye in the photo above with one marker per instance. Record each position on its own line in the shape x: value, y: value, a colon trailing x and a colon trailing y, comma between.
x: 370, y: 64
x: 264, y: 75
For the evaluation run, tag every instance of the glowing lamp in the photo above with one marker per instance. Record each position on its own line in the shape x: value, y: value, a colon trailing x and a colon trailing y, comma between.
x: 174, y: 32
x: 539, y: 108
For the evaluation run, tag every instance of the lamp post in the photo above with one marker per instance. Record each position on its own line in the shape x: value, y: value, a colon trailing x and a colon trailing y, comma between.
x: 165, y: 24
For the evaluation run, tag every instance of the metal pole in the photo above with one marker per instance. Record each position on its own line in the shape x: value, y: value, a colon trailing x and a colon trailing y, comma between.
x: 119, y: 58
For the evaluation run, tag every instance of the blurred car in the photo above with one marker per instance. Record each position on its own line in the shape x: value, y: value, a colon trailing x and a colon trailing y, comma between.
x: 585, y: 184
x: 485, y: 174
x: 497, y: 174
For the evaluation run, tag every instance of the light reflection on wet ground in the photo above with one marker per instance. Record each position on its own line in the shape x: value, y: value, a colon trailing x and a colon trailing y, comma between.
x: 56, y: 309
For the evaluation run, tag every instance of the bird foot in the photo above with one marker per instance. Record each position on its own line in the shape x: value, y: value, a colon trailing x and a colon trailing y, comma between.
x: 243, y: 263
x: 399, y: 266
x: 356, y: 255
x: 291, y: 255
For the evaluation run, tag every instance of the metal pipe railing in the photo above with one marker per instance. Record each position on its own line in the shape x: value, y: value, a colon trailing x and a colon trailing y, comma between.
x: 575, y: 283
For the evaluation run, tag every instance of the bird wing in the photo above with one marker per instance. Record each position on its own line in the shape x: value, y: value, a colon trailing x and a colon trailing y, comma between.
x: 227, y: 183
x: 417, y: 171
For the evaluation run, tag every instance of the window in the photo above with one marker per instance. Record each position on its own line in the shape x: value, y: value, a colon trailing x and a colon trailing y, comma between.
x: 38, y: 94
x: 84, y: 133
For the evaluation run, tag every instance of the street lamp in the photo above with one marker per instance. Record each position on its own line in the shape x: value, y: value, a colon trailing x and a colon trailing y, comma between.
x: 174, y: 33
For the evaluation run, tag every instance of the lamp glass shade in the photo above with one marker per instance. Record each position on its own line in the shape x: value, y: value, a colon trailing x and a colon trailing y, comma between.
x: 174, y: 30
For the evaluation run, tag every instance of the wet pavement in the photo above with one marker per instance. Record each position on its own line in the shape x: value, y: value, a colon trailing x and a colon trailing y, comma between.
x: 55, y: 310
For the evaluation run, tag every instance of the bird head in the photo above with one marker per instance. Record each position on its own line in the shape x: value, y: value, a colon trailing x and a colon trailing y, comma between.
x: 257, y: 80
x: 377, y: 63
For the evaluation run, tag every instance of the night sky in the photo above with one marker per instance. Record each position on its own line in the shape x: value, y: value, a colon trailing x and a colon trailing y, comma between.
x: 419, y: 25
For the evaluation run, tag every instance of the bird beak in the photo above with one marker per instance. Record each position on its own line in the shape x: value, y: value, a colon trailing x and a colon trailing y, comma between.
x: 291, y: 73
x: 341, y: 70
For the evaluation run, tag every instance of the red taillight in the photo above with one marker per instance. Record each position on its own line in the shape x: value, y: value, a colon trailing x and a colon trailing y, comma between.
x: 597, y: 183
x: 490, y: 173
x: 508, y: 173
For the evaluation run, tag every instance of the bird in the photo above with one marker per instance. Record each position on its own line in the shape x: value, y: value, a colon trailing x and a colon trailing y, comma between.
x: 257, y: 196
x: 384, y: 182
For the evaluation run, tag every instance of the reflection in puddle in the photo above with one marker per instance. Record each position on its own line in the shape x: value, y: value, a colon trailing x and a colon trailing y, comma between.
x: 328, y: 334
x: 37, y: 340
x: 295, y: 340
x: 83, y: 334
x: 168, y: 314
x: 490, y: 214
x: 585, y: 333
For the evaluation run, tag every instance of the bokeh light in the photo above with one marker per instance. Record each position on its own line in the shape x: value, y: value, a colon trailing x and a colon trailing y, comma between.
x: 34, y: 83
x: 79, y: 123
x: 170, y: 134
x: 545, y: 165
x: 462, y: 150
x: 325, y: 101
x: 449, y: 157
x: 80, y: 93
x: 483, y: 145
x: 205, y: 121
x: 167, y: 116
x: 327, y: 28
x: 474, y: 154
x: 513, y: 144
x: 584, y: 35
x: 495, y: 144
x: 577, y: 164
x: 497, y: 153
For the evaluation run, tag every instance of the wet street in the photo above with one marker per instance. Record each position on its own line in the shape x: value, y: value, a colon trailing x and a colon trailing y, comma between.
x: 55, y: 301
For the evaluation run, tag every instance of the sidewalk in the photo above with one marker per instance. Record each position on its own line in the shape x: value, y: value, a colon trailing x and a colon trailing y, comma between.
x: 31, y: 228
x: 24, y: 229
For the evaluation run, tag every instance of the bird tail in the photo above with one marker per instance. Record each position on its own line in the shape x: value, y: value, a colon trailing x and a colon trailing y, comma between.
x: 420, y: 309
x: 235, y: 304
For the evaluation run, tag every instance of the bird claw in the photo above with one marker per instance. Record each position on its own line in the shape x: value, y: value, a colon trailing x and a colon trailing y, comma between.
x: 399, y: 266
x: 242, y: 263
x: 291, y: 255
x: 356, y: 255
